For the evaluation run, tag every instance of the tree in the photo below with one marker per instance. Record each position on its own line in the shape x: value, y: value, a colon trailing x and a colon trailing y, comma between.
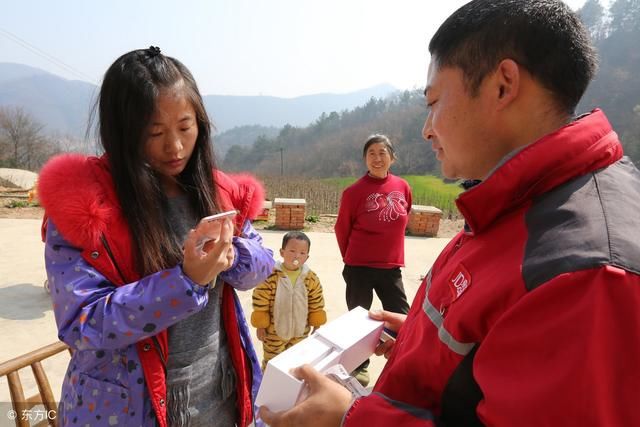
x: 233, y: 160
x: 349, y: 168
x: 616, y: 87
x: 592, y: 15
x: 21, y: 139
x: 631, y: 136
x: 625, y: 16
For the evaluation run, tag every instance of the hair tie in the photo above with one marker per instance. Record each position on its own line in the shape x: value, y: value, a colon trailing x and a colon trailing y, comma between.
x: 153, y: 51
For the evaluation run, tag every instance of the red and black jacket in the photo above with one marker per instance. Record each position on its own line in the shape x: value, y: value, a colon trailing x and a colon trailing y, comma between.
x: 531, y: 316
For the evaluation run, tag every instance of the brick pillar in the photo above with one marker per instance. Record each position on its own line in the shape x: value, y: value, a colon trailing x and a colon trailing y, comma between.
x: 264, y: 214
x: 289, y: 213
x: 424, y: 220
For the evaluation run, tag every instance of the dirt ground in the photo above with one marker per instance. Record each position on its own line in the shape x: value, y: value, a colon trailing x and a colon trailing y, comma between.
x: 325, y: 223
x: 448, y: 227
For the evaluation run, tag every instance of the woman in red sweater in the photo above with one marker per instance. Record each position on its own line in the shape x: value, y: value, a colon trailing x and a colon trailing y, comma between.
x: 370, y: 230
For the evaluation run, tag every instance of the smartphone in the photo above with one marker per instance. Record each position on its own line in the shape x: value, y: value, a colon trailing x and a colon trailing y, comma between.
x: 218, y: 216
x: 211, y: 218
x: 387, y: 334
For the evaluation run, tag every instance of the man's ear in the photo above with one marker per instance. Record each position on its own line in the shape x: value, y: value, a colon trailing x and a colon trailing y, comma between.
x: 507, y: 82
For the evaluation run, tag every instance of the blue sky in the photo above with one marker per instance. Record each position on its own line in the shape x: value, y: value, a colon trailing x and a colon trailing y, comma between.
x: 281, y: 48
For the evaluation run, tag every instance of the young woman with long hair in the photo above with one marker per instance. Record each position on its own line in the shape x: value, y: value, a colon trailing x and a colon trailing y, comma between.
x: 158, y: 334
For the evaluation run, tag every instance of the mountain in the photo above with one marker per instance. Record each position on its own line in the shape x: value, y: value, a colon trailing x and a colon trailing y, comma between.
x: 63, y: 105
x: 231, y: 111
x: 243, y: 136
x: 10, y: 71
x: 332, y: 145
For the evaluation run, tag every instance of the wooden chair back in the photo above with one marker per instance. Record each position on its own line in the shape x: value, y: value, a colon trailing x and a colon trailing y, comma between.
x: 22, y: 405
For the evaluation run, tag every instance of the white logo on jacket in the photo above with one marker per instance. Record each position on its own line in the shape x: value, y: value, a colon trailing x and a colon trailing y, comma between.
x: 460, y: 282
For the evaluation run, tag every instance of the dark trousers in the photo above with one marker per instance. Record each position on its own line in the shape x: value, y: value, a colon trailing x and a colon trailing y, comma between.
x: 362, y: 281
x: 387, y: 283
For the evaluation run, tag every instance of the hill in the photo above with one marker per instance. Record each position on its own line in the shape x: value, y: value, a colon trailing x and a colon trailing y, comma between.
x: 232, y: 111
x: 243, y: 136
x: 63, y: 105
x: 331, y: 145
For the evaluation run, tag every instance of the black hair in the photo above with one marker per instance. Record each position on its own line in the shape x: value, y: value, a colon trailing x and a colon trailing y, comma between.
x: 125, y: 105
x: 298, y: 235
x: 379, y: 139
x: 543, y: 36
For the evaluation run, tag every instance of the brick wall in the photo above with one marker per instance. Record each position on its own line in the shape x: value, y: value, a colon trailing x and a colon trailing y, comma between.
x: 290, y: 213
x: 424, y: 220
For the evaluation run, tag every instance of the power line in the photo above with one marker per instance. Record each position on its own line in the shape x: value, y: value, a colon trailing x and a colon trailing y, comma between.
x: 33, y: 49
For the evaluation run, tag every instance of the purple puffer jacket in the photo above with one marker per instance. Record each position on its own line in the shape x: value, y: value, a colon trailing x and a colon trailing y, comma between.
x: 104, y: 384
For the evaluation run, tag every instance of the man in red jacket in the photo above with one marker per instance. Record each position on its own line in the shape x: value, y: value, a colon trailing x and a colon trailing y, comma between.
x: 530, y: 316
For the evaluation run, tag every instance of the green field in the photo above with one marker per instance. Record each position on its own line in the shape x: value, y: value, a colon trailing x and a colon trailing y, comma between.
x: 427, y: 190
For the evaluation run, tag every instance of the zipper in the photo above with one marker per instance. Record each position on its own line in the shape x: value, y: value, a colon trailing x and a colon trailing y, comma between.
x: 156, y: 343
x: 443, y: 309
x: 103, y: 239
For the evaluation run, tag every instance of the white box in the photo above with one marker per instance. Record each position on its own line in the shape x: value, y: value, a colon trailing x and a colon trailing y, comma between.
x: 348, y: 340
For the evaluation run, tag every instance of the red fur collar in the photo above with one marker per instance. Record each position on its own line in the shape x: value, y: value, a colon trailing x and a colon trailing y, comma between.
x: 75, y: 199
x: 77, y: 193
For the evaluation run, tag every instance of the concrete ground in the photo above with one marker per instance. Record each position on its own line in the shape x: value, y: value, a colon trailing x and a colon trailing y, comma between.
x: 26, y: 317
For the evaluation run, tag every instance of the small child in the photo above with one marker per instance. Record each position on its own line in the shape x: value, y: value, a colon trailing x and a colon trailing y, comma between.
x: 289, y: 302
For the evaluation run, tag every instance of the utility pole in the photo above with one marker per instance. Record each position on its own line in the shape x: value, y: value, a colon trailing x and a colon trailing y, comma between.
x: 281, y: 162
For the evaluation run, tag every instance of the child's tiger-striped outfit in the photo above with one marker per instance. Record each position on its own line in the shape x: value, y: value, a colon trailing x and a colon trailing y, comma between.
x: 287, y: 311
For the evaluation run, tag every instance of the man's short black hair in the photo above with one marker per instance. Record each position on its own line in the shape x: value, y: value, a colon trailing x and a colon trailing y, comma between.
x: 544, y: 36
x: 298, y: 235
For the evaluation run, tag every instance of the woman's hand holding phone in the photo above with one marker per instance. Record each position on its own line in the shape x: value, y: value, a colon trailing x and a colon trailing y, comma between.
x: 208, y: 250
x: 202, y: 225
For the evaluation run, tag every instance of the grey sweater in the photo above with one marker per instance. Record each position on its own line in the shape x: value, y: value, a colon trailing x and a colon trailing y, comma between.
x: 200, y: 376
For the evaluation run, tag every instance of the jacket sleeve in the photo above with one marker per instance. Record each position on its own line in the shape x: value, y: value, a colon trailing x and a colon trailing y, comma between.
x: 377, y: 409
x: 344, y: 223
x: 253, y: 262
x: 92, y: 313
x: 317, y: 314
x: 566, y: 354
x: 262, y: 301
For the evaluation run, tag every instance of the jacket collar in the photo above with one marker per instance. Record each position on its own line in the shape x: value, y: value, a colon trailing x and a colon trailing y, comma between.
x: 303, y: 270
x: 581, y: 147
x: 77, y: 193
x: 79, y: 196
